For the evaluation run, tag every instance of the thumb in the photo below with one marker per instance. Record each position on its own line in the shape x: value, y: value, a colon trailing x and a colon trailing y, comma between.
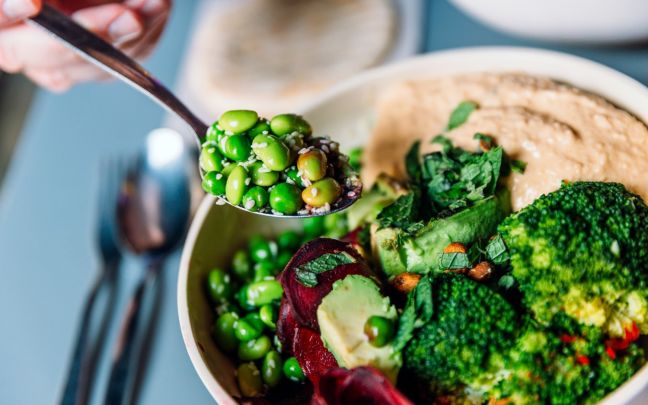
x: 12, y: 11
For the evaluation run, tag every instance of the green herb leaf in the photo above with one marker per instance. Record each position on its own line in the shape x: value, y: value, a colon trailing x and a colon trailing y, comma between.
x: 444, y: 141
x: 487, y: 139
x: 412, y: 162
x: 402, y: 213
x: 507, y: 281
x: 518, y: 166
x: 418, y: 311
x: 454, y: 261
x: 461, y: 113
x: 307, y: 273
x: 496, y: 251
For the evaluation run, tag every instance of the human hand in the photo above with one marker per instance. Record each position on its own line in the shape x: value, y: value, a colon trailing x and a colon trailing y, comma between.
x: 134, y: 26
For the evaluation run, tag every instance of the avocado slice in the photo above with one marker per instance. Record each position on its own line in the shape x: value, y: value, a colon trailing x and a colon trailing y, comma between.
x: 342, y: 316
x: 398, y: 252
x: 384, y: 192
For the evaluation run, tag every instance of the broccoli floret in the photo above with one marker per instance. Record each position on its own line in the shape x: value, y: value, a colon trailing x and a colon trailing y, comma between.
x: 583, y: 250
x: 462, y: 343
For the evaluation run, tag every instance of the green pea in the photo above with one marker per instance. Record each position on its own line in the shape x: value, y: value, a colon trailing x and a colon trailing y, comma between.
x: 264, y: 271
x: 255, y: 199
x: 274, y: 154
x: 241, y: 266
x: 228, y: 168
x: 284, y: 124
x: 264, y: 292
x: 292, y: 370
x: 238, y: 121
x: 210, y: 159
x: 289, y: 240
x: 312, y: 164
x: 214, y: 183
x: 325, y: 191
x: 268, y: 315
x: 223, y: 332
x: 249, y: 380
x: 261, y: 127
x: 242, y: 298
x: 261, y: 175
x: 336, y: 225
x: 271, y: 369
x: 379, y: 330
x: 283, y: 258
x: 254, y: 349
x: 293, y: 175
x: 214, y: 133
x: 245, y: 330
x: 355, y: 158
x: 236, y: 185
x: 261, y: 249
x: 314, y: 227
x: 236, y: 147
x: 285, y: 198
x: 219, y: 285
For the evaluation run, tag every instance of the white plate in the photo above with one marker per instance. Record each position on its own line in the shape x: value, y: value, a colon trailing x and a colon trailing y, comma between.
x: 346, y: 113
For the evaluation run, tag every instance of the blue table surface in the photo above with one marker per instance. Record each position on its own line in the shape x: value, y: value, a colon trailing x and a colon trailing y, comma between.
x: 48, y: 200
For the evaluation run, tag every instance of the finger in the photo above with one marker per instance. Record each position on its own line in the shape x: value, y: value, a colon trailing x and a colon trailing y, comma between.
x: 116, y: 23
x: 59, y: 80
x: 12, y: 11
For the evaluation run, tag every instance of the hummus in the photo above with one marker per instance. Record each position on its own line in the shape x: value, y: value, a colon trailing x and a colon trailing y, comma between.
x: 561, y: 132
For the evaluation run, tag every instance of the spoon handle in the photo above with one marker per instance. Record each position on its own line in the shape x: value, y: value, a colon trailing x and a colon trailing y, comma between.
x: 115, y: 62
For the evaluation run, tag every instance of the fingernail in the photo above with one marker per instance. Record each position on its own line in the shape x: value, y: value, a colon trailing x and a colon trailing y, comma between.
x: 124, y: 28
x: 17, y: 9
x: 154, y: 6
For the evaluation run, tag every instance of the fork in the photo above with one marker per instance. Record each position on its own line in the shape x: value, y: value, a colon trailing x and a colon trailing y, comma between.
x: 95, y: 317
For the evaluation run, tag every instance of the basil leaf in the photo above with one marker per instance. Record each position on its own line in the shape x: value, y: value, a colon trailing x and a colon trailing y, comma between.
x: 454, y: 261
x: 496, y: 251
x: 461, y: 113
x: 412, y: 164
x: 518, y: 166
x: 418, y: 311
x: 307, y: 273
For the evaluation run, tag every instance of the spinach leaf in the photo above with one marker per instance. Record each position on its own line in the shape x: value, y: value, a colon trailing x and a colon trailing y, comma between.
x: 418, y: 311
x: 461, y: 113
x: 307, y: 273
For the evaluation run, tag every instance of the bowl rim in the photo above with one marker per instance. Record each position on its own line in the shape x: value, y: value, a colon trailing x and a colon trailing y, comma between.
x: 615, y: 93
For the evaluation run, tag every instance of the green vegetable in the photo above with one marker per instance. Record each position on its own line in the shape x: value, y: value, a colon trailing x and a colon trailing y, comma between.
x: 336, y: 225
x: 254, y: 349
x: 285, y: 198
x: 313, y: 227
x: 241, y: 266
x: 496, y: 251
x: 219, y: 285
x: 292, y: 370
x: 312, y: 164
x: 264, y: 292
x: 274, y: 154
x: 238, y: 121
x: 223, y: 332
x: 285, y: 124
x: 264, y: 271
x: 236, y: 147
x: 261, y: 175
x: 213, y: 134
x: 261, y: 249
x: 322, y: 192
x: 261, y: 127
x: 236, y: 185
x: 583, y: 250
x: 283, y: 258
x: 214, y: 183
x: 271, y: 369
x: 461, y: 113
x: 249, y: 380
x: 307, y: 273
x: 242, y: 298
x: 402, y: 214
x: 518, y: 166
x: 417, y: 312
x: 289, y: 240
x: 355, y: 158
x: 294, y: 177
x: 379, y: 330
x: 255, y: 198
x: 246, y: 330
x: 210, y: 159
x: 268, y: 315
x: 454, y: 261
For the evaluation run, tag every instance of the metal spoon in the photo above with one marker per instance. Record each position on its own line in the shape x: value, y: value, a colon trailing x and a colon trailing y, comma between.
x: 115, y: 62
x: 153, y: 212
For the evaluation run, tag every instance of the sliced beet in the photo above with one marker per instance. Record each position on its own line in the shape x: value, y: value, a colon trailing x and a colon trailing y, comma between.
x: 361, y: 385
x: 313, y: 357
x: 286, y: 326
x: 305, y: 300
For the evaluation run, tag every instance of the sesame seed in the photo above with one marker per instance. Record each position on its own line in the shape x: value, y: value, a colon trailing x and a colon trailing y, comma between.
x: 247, y: 181
x: 314, y: 192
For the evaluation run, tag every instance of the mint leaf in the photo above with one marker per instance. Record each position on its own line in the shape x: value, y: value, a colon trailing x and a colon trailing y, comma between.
x: 454, y: 261
x: 496, y: 251
x: 412, y: 163
x: 444, y: 141
x: 506, y: 281
x: 307, y: 273
x: 487, y: 140
x: 402, y: 213
x: 461, y: 113
x: 518, y: 166
x: 418, y: 311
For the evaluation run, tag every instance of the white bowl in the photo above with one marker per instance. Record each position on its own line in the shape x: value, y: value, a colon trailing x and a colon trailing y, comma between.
x: 572, y: 21
x: 346, y: 113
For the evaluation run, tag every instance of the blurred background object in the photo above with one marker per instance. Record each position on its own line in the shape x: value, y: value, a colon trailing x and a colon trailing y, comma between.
x: 565, y: 21
x: 15, y: 97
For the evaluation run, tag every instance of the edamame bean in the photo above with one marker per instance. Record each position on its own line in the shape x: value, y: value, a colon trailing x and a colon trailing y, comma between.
x: 249, y: 379
x: 261, y: 175
x: 236, y: 147
x: 264, y: 292
x: 283, y: 258
x: 284, y: 124
x: 314, y: 227
x: 242, y: 298
x: 214, y: 183
x: 261, y: 249
x: 210, y: 159
x: 336, y: 225
x: 271, y: 368
x: 355, y: 158
x: 379, y: 330
x: 214, y: 133
x: 289, y: 240
x: 293, y: 175
x: 241, y: 266
x: 312, y: 164
x: 255, y: 320
x: 285, y: 198
x: 245, y: 330
x: 223, y: 332
x: 274, y: 154
x: 228, y: 168
x: 292, y: 370
x: 255, y: 198
x: 325, y: 191
x: 254, y: 349
x: 238, y: 121
x: 268, y: 315
x: 236, y: 185
x: 219, y: 285
x: 264, y: 271
x: 261, y: 127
